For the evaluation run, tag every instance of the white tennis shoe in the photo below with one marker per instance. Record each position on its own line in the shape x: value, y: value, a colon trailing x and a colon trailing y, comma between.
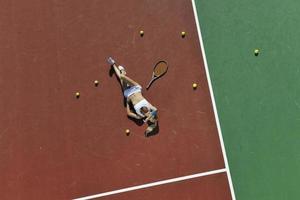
x: 111, y: 61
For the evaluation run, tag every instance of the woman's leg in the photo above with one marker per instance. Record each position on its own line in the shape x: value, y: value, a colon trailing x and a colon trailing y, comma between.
x: 119, y: 74
x: 117, y: 71
x: 127, y: 80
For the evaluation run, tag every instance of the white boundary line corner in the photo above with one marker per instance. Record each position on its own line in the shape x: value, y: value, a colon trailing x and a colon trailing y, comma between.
x: 213, y: 100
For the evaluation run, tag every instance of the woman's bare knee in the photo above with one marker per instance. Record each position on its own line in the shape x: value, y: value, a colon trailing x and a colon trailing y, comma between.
x: 122, y: 77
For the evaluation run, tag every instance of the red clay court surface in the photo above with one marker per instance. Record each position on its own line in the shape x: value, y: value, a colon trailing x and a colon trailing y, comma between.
x: 54, y: 146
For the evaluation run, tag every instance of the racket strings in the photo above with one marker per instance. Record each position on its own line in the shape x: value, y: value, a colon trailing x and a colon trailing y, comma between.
x: 160, y: 69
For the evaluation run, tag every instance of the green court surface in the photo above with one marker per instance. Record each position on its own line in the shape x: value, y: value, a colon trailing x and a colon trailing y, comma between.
x: 258, y: 98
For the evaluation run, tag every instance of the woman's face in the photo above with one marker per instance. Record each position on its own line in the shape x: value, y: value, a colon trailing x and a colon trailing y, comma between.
x: 145, y: 111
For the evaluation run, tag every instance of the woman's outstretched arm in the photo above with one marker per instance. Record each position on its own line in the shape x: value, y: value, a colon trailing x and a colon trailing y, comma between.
x: 130, y: 113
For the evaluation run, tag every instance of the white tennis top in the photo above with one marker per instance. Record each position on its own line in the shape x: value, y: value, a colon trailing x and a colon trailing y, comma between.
x: 139, y: 105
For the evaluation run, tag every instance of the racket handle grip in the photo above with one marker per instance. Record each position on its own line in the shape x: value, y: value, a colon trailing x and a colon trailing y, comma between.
x: 149, y: 84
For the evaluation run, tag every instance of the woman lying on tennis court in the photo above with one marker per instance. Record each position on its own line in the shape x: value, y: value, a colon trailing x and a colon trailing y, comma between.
x: 133, y: 93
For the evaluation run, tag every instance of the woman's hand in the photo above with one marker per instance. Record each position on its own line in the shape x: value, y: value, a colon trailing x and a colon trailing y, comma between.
x: 130, y: 113
x: 151, y: 117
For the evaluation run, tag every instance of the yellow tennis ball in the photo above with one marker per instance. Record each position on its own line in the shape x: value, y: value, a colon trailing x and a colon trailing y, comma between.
x: 96, y: 82
x: 183, y: 34
x: 141, y: 32
x: 256, y: 51
x: 195, y: 85
x: 77, y: 94
x: 127, y: 131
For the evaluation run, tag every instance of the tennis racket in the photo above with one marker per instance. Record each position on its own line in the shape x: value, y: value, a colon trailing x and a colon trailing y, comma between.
x: 158, y: 71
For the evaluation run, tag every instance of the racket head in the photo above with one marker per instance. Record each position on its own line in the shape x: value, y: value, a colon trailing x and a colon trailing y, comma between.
x: 160, y: 68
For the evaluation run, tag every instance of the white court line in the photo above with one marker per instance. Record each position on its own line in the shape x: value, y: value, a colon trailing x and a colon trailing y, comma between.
x: 213, y: 100
x: 173, y: 180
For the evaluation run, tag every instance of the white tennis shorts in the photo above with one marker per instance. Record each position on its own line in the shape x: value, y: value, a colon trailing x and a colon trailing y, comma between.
x: 132, y: 90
